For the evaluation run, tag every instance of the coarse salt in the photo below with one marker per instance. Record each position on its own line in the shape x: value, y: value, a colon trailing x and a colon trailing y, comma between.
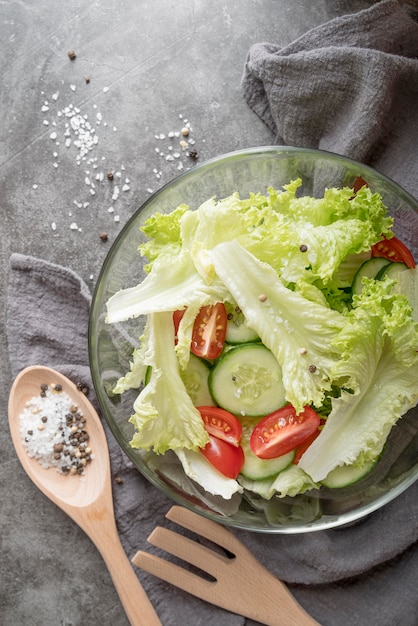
x: 54, y: 432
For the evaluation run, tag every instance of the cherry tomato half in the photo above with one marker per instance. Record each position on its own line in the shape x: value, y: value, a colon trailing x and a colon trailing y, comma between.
x: 283, y: 431
x: 358, y: 183
x: 209, y: 330
x: 300, y: 450
x: 177, y: 317
x: 221, y: 424
x: 394, y: 250
x: 225, y: 458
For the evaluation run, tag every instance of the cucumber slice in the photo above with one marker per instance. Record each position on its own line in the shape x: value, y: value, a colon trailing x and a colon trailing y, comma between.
x: 392, y: 270
x: 247, y: 381
x: 237, y: 330
x: 407, y: 285
x: 258, y: 469
x: 195, y: 378
x: 370, y: 269
x: 346, y: 475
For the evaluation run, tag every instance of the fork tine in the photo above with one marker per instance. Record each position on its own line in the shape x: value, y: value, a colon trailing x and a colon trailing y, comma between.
x: 188, y: 550
x: 175, y: 575
x: 206, y: 528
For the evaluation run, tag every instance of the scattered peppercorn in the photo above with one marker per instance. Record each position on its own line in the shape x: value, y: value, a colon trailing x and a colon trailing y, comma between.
x: 118, y: 480
x: 103, y: 236
x: 72, y: 55
x: 193, y: 153
x: 303, y: 248
x: 83, y: 388
x: 312, y: 368
x: 87, y: 80
x: 110, y: 175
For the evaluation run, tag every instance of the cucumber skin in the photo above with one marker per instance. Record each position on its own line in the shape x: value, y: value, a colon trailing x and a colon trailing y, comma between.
x: 259, y: 469
x: 371, y: 269
x: 255, y: 468
x: 346, y: 475
x: 391, y: 270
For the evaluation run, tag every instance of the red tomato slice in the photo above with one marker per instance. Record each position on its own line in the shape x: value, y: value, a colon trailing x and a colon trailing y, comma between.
x: 209, y: 331
x: 177, y: 317
x: 358, y: 183
x: 283, y: 431
x: 225, y: 458
x: 394, y: 250
x: 221, y: 424
x: 300, y: 450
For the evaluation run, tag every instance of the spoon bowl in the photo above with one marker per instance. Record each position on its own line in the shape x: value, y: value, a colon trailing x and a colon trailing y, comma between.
x: 86, y: 498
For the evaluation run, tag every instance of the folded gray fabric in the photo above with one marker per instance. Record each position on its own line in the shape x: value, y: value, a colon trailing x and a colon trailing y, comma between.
x: 349, y: 86
x: 340, y: 87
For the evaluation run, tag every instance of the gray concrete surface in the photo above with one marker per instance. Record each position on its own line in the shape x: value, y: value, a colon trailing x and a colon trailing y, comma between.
x: 148, y: 64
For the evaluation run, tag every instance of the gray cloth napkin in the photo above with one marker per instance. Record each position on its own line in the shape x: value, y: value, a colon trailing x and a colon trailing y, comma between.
x: 344, y: 87
x: 349, y: 86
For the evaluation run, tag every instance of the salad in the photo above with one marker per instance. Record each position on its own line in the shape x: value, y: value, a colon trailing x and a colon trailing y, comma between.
x: 280, y: 343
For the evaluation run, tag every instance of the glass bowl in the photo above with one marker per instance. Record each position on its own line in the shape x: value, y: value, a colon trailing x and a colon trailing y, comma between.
x: 110, y: 346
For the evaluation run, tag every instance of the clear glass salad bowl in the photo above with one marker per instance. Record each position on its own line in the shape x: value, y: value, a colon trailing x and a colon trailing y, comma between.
x: 110, y: 346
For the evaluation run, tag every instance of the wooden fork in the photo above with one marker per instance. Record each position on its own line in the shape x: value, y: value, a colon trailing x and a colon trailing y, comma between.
x: 242, y: 585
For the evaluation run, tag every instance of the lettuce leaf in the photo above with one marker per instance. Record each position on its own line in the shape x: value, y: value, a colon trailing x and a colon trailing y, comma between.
x: 379, y: 362
x: 164, y: 237
x: 168, y: 287
x: 165, y: 417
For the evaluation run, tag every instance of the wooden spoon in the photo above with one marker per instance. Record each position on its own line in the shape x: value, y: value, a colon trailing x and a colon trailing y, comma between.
x: 87, y: 499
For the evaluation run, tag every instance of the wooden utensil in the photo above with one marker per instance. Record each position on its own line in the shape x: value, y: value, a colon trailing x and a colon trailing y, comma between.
x: 87, y: 499
x: 242, y: 585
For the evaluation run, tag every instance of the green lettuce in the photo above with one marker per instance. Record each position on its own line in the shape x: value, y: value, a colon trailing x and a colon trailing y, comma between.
x: 165, y: 417
x: 172, y: 287
x: 379, y: 363
x: 303, y: 239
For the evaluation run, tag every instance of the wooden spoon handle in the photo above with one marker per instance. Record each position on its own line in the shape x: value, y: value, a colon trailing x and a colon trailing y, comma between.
x: 137, y: 605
